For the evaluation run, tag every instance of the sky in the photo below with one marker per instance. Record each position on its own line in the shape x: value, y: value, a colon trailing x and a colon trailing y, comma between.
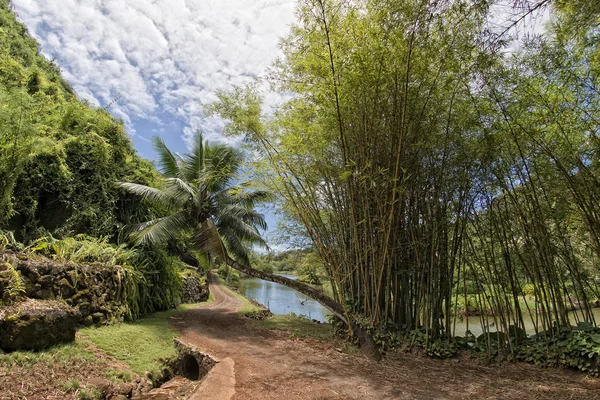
x: 156, y: 63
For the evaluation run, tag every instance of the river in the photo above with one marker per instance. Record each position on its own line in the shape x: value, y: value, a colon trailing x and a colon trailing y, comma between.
x: 282, y: 300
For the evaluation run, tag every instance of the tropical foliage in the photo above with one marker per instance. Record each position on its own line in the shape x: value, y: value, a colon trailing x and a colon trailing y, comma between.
x: 201, y: 196
x: 59, y: 156
x: 428, y: 163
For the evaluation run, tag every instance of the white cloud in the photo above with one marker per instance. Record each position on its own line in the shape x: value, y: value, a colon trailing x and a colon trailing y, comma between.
x: 158, y: 56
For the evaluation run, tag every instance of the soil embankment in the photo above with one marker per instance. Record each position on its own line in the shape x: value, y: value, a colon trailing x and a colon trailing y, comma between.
x: 269, y: 365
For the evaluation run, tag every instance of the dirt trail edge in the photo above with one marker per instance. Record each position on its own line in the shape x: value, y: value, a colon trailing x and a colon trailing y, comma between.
x: 269, y: 365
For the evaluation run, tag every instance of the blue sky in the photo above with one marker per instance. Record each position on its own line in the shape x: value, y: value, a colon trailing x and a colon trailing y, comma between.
x: 158, y: 62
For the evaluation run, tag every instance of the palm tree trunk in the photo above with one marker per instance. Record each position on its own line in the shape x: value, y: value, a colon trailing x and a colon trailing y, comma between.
x: 367, y: 345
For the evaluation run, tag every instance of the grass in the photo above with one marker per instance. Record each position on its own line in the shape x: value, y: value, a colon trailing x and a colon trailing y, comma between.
x: 63, y: 354
x: 299, y: 327
x: 247, y: 306
x: 141, y: 344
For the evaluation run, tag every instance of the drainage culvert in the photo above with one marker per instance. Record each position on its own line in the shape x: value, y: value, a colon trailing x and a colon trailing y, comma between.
x: 192, y: 364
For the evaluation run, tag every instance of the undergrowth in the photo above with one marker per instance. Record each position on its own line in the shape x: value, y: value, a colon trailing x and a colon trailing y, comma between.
x: 577, y: 348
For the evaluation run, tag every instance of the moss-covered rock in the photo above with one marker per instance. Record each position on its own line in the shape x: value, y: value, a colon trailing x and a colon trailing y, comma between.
x: 194, y: 288
x: 35, y: 325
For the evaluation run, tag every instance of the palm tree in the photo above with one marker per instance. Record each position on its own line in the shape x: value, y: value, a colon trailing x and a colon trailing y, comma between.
x: 202, y: 198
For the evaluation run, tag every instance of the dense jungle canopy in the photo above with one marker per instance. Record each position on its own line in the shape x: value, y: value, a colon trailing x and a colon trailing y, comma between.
x: 59, y: 156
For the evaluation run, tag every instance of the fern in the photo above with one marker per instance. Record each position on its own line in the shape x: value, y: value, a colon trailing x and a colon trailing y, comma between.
x: 8, y: 241
x: 16, y: 287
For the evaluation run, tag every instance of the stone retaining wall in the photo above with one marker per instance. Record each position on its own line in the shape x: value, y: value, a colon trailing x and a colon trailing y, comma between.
x: 194, y: 288
x: 95, y: 290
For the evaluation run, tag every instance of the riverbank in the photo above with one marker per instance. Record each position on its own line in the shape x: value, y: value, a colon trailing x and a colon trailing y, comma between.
x: 282, y: 300
x: 278, y: 357
x: 272, y: 361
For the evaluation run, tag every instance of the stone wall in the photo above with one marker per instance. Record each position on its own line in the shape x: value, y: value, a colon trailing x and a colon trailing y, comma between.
x: 98, y: 291
x: 95, y: 290
x: 194, y: 288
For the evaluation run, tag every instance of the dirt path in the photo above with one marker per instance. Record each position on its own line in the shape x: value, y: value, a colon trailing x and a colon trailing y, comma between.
x: 268, y: 365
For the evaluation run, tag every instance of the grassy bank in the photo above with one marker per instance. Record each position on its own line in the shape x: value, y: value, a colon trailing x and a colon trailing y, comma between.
x: 69, y: 371
x: 141, y: 344
x: 247, y: 306
x: 298, y: 327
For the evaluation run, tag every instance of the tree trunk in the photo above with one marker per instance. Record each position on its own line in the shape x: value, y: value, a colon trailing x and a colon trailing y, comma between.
x: 367, y: 345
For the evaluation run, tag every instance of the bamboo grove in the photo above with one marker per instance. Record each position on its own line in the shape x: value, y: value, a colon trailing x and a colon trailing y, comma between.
x: 437, y: 171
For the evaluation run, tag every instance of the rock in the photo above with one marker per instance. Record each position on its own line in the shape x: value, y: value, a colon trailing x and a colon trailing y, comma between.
x: 35, y: 325
x: 65, y: 288
x: 125, y: 389
x: 46, y: 280
x: 98, y: 318
x: 32, y: 275
x: 102, y: 385
x: 87, y: 321
x: 194, y: 288
x: 44, y: 294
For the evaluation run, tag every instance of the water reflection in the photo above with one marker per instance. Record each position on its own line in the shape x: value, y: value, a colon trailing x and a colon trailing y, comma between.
x: 281, y: 299
x: 475, y: 326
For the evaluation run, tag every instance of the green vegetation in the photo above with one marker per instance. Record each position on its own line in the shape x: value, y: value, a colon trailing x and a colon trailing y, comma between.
x: 151, y: 278
x: 298, y: 327
x: 434, y: 172
x: 430, y: 167
x: 65, y: 354
x: 203, y: 202
x: 229, y: 275
x: 15, y: 289
x: 59, y: 157
x: 303, y: 262
x: 141, y: 344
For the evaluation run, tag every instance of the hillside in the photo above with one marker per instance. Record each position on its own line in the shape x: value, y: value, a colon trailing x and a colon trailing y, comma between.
x: 59, y: 156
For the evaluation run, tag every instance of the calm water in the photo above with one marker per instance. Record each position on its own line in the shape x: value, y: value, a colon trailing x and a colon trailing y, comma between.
x: 474, y: 324
x: 281, y: 299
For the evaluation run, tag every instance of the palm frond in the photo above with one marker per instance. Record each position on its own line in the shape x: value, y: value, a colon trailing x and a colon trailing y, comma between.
x: 250, y: 199
x: 222, y: 165
x: 167, y: 161
x: 244, y: 231
x: 194, y: 161
x: 207, y: 238
x: 180, y: 190
x: 248, y: 216
x: 234, y: 246
x: 159, y: 231
x: 148, y: 193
